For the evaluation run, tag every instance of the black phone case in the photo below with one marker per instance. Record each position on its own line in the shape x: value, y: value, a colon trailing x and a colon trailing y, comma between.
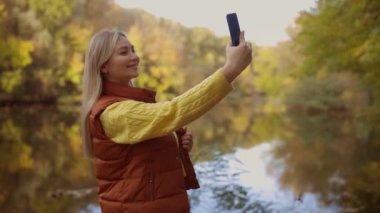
x: 233, y: 26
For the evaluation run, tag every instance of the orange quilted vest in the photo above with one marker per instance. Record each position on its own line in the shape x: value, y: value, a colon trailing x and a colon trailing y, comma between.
x: 145, y: 177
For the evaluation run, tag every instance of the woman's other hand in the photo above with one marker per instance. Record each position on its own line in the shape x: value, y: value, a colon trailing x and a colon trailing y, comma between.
x: 187, y: 141
x: 237, y: 58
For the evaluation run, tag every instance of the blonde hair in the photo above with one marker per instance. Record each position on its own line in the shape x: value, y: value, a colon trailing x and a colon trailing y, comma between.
x: 99, y: 51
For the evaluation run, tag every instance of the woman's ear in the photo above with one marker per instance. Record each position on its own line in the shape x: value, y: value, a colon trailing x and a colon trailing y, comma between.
x: 103, y: 69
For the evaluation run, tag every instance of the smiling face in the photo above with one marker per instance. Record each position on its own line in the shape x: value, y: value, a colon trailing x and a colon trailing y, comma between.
x: 123, y: 64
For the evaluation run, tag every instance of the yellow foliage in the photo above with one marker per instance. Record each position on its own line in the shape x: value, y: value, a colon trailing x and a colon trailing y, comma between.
x: 240, y: 123
x: 160, y: 61
x: 347, y: 95
x: 134, y: 36
x: 18, y: 155
x: 210, y: 58
x: 272, y: 107
x: 322, y: 74
x: 156, y: 72
x: 74, y: 72
x: 79, y: 37
x: 10, y: 80
x: 209, y: 134
x: 15, y: 53
x: 75, y: 141
x: 53, y: 12
x: 3, y: 12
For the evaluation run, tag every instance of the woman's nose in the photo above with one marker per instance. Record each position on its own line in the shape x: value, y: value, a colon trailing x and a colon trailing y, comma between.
x: 134, y: 56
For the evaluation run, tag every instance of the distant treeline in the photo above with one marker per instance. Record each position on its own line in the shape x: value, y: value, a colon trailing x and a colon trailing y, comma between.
x: 331, y: 62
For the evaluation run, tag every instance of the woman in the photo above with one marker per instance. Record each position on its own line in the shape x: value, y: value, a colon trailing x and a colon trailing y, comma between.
x: 140, y: 150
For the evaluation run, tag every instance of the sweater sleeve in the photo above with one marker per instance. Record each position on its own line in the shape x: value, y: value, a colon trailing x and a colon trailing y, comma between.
x: 130, y: 122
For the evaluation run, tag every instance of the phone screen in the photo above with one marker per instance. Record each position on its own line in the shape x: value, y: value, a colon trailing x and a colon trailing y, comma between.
x: 233, y: 26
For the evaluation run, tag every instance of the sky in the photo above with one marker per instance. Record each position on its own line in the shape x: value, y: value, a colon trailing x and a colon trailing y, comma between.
x: 264, y: 21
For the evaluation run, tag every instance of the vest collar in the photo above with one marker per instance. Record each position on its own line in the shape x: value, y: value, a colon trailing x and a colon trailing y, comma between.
x: 134, y: 93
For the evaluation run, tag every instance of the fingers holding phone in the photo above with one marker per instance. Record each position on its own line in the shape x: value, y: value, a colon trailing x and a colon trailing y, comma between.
x: 237, y: 58
x: 243, y: 42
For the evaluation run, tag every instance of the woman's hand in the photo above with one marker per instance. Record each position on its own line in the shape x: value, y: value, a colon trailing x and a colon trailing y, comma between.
x: 237, y: 58
x: 187, y: 141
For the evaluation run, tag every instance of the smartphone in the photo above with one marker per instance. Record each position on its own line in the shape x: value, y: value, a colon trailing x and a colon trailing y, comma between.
x: 233, y: 26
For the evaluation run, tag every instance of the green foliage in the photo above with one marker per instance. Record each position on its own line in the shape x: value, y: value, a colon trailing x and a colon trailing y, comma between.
x: 52, y: 13
x: 10, y: 80
x: 160, y: 68
x: 15, y: 53
x: 46, y: 42
x: 325, y: 93
x: 333, y: 46
x: 343, y: 36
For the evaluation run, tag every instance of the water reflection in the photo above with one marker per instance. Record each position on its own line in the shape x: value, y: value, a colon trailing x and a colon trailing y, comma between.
x: 40, y: 152
x: 239, y: 182
x: 332, y: 157
x: 272, y: 163
x: 221, y: 190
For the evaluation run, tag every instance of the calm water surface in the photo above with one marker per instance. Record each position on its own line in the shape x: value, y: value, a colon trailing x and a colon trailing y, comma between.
x: 274, y: 163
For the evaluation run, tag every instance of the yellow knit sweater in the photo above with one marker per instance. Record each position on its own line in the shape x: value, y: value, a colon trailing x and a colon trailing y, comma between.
x: 129, y: 122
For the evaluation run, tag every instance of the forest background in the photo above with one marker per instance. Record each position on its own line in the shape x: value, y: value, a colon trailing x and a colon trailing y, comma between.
x: 329, y: 66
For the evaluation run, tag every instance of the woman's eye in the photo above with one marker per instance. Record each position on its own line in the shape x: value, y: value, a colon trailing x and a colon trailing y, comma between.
x: 123, y: 53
